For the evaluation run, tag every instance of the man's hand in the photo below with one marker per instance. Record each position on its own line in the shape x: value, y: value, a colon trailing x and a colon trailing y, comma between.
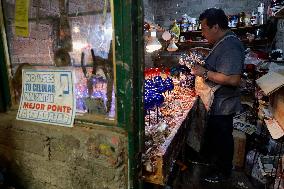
x: 219, y: 78
x: 197, y: 70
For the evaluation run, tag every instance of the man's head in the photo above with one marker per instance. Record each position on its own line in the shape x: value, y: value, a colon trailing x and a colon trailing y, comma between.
x: 214, y: 23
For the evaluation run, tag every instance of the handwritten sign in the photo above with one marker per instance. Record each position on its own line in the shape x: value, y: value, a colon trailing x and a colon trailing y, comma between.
x: 48, y: 97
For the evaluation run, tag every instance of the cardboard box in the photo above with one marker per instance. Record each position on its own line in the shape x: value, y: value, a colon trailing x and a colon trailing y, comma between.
x: 239, y: 148
x: 264, y: 168
x: 277, y: 106
x: 272, y: 85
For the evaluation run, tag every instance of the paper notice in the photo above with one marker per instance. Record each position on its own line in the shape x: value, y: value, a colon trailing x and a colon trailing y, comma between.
x: 21, y: 18
x: 274, y: 128
x: 48, y: 97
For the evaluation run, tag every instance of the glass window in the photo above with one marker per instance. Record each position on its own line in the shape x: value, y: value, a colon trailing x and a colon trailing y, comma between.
x: 73, y: 34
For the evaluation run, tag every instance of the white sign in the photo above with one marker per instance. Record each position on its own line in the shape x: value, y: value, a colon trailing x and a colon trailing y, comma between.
x: 48, y: 97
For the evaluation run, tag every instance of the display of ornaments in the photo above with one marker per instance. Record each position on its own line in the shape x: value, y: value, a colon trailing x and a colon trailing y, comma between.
x: 172, y: 109
x: 154, y: 89
x: 166, y: 35
x: 192, y: 58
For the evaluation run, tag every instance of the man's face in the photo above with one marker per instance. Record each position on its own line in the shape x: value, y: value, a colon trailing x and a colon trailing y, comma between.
x: 209, y: 33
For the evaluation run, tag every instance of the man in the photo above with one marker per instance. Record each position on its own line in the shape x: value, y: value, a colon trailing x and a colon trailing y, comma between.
x: 223, y: 68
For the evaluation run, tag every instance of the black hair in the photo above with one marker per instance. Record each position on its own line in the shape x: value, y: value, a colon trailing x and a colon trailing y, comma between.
x: 215, y: 16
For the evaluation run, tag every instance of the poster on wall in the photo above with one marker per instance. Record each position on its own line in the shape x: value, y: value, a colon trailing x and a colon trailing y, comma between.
x: 22, y: 18
x: 48, y: 97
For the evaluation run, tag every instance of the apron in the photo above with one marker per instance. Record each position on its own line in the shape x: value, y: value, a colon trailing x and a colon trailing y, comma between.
x: 205, y: 90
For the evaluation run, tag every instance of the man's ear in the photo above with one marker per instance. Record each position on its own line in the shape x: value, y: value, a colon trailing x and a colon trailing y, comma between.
x: 216, y: 27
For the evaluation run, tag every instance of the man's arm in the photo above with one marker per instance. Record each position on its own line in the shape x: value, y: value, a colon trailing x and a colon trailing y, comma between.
x: 219, y: 78
x: 222, y: 79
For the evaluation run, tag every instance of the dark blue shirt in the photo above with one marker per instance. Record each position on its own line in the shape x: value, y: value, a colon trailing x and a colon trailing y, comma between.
x: 227, y: 58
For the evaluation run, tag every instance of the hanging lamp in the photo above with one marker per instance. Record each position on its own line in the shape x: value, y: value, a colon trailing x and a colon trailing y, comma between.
x: 172, y: 46
x: 153, y: 44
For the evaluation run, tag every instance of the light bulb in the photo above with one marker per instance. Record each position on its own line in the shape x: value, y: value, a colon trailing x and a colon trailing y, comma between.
x: 153, y: 43
x: 172, y: 46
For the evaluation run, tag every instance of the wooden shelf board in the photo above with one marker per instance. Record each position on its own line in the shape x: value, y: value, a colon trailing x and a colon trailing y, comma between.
x: 280, y: 13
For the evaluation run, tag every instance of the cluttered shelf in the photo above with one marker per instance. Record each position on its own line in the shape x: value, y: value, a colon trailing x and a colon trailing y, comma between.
x: 247, y: 43
x: 251, y: 36
x: 190, y: 44
x: 251, y: 27
x: 241, y: 30
x: 256, y: 42
x: 279, y: 13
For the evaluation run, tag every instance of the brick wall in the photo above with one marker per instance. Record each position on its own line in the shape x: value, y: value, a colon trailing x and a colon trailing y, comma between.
x: 43, y: 156
x: 43, y: 40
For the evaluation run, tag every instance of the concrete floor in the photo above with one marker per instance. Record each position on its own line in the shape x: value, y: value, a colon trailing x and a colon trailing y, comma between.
x: 191, y: 178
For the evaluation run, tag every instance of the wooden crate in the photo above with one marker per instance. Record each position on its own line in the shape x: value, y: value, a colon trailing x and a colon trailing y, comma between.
x: 239, y: 148
x: 277, y: 105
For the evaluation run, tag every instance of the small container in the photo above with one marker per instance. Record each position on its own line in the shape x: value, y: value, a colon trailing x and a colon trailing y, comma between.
x: 182, y: 39
x: 260, y: 8
x: 253, y: 18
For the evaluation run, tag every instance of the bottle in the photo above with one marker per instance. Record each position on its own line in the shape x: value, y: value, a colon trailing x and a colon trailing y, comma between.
x: 273, y: 3
x: 190, y: 28
x: 241, y: 21
x: 260, y: 10
x: 199, y: 25
x: 253, y: 19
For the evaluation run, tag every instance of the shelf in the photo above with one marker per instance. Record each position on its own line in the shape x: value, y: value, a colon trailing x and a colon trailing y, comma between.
x: 193, y: 31
x: 279, y: 13
x: 195, y: 37
x: 189, y: 44
x: 247, y: 27
x: 276, y: 61
x: 233, y: 29
x: 194, y: 42
x: 255, y: 43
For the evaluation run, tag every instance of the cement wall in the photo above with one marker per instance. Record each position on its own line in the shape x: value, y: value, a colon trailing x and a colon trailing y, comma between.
x: 280, y: 35
x: 166, y: 11
x: 149, y: 10
x: 40, y: 156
